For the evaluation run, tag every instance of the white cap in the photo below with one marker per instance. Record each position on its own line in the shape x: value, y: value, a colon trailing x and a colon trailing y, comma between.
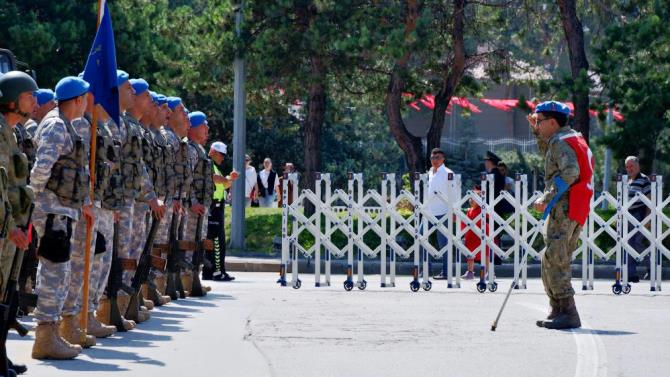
x: 219, y: 147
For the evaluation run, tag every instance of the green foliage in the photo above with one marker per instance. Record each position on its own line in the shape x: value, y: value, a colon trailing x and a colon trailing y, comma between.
x: 633, y: 61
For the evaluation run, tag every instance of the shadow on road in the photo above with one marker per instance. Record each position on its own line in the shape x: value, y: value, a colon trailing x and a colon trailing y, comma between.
x: 600, y: 332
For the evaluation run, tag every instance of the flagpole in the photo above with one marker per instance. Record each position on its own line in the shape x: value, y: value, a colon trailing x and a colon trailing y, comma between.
x: 83, y: 316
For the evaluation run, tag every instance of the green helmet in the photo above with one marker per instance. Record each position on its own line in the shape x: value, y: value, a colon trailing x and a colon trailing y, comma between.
x: 13, y: 83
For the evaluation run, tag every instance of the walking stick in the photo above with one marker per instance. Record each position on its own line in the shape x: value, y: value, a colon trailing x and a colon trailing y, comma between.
x: 561, y: 188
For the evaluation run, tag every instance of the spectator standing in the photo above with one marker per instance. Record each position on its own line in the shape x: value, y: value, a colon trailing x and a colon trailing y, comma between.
x: 250, y: 189
x: 268, y: 184
x: 509, y: 182
x: 439, y: 184
x: 288, y: 169
x: 637, y: 183
x: 472, y: 240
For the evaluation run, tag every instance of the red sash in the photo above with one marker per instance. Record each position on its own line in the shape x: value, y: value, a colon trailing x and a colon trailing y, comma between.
x: 581, y: 192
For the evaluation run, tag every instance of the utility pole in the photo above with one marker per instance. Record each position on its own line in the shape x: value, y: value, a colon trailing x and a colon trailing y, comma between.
x: 239, y: 141
x: 608, y: 154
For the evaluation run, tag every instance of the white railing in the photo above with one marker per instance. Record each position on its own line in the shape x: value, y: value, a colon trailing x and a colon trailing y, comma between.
x: 379, y: 213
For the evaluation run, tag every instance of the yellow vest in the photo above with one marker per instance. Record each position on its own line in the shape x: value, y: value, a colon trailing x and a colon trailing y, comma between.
x: 220, y: 190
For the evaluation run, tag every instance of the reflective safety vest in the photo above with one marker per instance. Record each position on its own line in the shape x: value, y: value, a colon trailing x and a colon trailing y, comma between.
x: 220, y: 190
x: 581, y: 192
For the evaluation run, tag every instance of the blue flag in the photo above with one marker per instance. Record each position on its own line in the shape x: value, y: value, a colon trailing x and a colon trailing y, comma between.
x: 100, y: 70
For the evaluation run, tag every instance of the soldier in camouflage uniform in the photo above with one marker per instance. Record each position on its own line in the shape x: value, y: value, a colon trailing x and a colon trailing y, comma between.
x: 203, y: 187
x: 73, y: 300
x: 562, y: 169
x: 59, y: 178
x: 138, y: 185
x: 15, y: 196
x: 162, y: 175
x: 46, y: 101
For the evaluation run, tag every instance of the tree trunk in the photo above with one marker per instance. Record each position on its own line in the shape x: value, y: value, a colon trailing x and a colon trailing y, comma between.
x: 409, y: 143
x: 316, y: 114
x: 579, y: 65
x: 453, y: 74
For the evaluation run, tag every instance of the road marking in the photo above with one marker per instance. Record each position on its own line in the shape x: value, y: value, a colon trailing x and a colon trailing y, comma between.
x: 591, y: 353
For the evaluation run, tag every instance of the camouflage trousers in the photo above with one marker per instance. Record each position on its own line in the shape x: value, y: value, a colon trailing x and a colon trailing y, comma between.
x: 141, y: 223
x: 191, y: 221
x: 52, y: 278
x: 561, y: 238
x: 126, y: 230
x: 102, y: 262
x: 163, y: 235
x: 7, y: 252
x: 73, y: 300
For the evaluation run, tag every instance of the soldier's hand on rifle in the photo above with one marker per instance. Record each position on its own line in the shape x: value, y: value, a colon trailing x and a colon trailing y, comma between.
x: 176, y: 204
x: 157, y: 208
x: 198, y: 208
x: 117, y: 216
x: 539, y: 206
x: 88, y: 212
x: 19, y: 238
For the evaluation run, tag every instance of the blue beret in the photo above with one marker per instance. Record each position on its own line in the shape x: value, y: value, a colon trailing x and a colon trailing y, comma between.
x: 173, y: 102
x: 154, y: 96
x: 139, y: 85
x: 70, y: 87
x: 553, y: 106
x: 121, y: 77
x: 44, y: 95
x: 161, y: 99
x: 197, y: 119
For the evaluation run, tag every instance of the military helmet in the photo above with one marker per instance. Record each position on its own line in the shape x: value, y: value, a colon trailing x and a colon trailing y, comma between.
x: 13, y: 83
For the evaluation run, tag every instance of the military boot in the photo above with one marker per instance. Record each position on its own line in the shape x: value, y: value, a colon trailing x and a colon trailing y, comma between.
x: 553, y: 313
x: 568, y: 318
x: 148, y: 304
x: 97, y: 329
x: 70, y: 331
x: 49, y: 345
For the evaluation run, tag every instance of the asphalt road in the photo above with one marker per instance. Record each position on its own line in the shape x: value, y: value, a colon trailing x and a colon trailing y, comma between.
x: 253, y: 327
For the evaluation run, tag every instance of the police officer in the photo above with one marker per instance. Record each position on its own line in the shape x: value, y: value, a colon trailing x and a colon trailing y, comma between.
x: 215, y: 230
x: 568, y: 166
x: 59, y: 178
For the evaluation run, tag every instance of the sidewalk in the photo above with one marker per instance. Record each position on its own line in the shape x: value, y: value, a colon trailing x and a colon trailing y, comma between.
x: 339, y: 266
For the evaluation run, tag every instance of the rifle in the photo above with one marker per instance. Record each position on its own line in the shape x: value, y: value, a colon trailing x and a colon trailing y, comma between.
x: 114, y: 283
x: 142, y: 272
x: 10, y: 302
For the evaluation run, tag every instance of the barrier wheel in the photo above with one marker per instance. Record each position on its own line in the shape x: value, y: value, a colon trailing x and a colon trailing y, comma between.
x: 481, y: 287
x: 414, y: 286
x: 626, y: 289
x: 427, y: 286
x: 348, y: 285
x: 297, y: 284
x: 493, y: 287
x: 362, y: 285
x: 616, y: 289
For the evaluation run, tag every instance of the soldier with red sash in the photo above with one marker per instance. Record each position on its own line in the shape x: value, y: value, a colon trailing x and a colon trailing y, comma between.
x: 568, y: 170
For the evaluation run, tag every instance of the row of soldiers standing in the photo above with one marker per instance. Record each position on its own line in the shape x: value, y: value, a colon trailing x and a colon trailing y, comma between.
x: 152, y: 190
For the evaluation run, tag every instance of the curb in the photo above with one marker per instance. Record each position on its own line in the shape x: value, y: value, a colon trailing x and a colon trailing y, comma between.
x: 241, y: 264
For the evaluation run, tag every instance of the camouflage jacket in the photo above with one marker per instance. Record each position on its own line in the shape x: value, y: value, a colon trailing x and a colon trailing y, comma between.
x: 559, y: 160
x: 53, y: 141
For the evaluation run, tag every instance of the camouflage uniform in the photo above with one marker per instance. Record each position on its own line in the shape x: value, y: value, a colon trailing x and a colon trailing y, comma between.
x: 109, y: 193
x: 16, y: 196
x: 31, y: 128
x: 138, y: 185
x: 561, y: 233
x: 59, y: 197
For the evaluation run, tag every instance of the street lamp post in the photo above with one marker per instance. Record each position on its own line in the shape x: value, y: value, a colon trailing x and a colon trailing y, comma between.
x: 239, y: 141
